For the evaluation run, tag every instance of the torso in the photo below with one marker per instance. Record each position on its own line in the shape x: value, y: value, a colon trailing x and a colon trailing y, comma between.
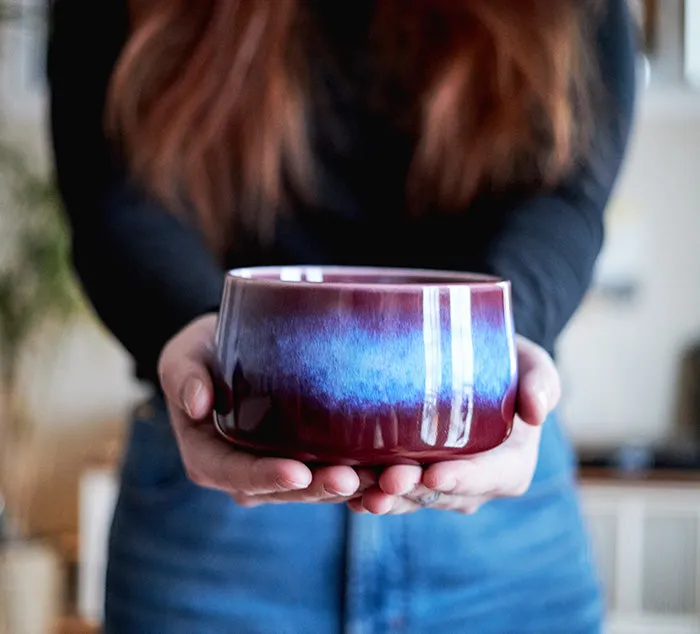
x: 359, y: 213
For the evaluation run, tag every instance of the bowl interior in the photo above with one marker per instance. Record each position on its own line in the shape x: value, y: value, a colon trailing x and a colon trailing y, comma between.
x: 360, y: 277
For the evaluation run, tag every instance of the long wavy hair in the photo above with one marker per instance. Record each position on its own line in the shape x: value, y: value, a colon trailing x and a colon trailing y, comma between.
x: 209, y: 99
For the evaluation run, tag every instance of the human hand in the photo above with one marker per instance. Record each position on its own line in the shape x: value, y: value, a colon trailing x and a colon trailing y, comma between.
x: 210, y: 461
x: 465, y: 485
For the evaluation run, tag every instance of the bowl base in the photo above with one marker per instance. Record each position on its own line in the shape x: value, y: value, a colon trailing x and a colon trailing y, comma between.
x: 359, y: 457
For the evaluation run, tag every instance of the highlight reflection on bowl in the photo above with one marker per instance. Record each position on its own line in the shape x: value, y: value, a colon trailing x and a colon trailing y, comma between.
x: 366, y: 366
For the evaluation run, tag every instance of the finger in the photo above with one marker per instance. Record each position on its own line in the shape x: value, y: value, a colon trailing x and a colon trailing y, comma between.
x: 505, y: 471
x: 377, y: 502
x: 539, y: 387
x: 404, y: 506
x: 400, y: 479
x: 294, y: 497
x: 214, y: 463
x: 186, y: 382
x: 334, y: 481
x: 338, y: 483
x: 400, y: 506
x: 316, y: 493
x: 320, y: 491
x: 355, y: 505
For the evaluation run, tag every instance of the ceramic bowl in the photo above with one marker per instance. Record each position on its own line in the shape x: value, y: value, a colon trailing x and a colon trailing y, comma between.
x: 361, y: 366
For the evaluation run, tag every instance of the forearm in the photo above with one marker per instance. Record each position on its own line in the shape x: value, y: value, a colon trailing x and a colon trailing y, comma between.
x: 550, y: 271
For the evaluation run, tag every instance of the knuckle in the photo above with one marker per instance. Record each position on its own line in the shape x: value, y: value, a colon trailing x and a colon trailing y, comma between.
x: 164, y: 363
x: 556, y: 390
x: 163, y: 358
x: 163, y: 375
x: 542, y: 355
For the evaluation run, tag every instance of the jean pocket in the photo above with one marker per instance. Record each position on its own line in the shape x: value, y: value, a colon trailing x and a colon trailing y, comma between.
x: 152, y: 469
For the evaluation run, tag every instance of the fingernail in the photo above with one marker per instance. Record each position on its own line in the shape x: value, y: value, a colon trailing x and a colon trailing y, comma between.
x: 294, y: 485
x: 339, y: 491
x: 543, y: 402
x: 193, y: 388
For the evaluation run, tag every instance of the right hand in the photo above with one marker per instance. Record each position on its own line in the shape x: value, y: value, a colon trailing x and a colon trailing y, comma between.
x: 214, y: 463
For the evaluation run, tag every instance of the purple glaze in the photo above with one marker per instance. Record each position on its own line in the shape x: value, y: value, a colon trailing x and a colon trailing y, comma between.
x: 366, y: 366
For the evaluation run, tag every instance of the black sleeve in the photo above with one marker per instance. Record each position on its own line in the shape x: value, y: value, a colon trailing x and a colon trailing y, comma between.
x: 547, y: 246
x: 146, y: 273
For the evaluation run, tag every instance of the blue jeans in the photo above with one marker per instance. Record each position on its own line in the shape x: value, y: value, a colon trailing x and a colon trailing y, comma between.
x: 185, y: 560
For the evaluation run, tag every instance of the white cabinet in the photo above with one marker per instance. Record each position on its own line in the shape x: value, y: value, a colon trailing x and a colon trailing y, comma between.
x: 647, y: 542
x: 98, y: 496
x: 646, y: 538
x: 692, y: 42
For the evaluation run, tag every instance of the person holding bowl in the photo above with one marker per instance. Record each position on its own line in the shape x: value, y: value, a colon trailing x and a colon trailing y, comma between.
x: 481, y: 136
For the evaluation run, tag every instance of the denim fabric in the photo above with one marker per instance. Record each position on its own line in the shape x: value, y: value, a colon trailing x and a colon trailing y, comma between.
x: 184, y: 560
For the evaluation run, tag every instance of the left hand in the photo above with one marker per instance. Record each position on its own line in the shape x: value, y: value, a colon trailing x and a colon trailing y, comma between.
x: 465, y: 485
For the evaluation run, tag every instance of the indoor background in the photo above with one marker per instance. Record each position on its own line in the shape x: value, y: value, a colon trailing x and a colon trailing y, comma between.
x: 630, y: 360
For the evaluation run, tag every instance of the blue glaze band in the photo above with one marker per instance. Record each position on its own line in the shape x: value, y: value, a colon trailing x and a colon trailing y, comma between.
x: 349, y: 366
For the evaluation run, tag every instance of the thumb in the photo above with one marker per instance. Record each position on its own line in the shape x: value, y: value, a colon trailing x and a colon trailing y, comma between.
x: 184, y: 373
x: 539, y: 388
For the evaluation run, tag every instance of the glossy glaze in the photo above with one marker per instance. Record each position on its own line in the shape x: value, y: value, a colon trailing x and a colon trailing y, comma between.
x: 365, y: 366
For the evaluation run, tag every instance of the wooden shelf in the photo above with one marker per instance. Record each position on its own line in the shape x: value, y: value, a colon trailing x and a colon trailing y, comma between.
x: 74, y: 625
x: 653, y: 477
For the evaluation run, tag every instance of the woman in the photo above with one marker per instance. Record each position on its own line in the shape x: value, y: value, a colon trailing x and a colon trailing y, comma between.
x: 481, y: 135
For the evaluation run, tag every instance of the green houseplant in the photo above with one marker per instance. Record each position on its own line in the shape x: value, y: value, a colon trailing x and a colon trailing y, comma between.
x: 37, y: 289
x: 37, y: 292
x: 38, y: 296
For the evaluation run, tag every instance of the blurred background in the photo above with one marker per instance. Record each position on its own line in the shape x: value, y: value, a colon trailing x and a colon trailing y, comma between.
x: 630, y: 360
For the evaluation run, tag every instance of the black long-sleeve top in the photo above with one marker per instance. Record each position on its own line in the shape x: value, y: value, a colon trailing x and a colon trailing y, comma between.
x: 148, y: 273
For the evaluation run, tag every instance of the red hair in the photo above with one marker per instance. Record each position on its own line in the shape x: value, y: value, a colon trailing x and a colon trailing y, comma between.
x: 209, y: 98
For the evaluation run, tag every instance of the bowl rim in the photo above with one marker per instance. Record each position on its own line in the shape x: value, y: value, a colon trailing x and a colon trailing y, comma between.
x: 453, y: 279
